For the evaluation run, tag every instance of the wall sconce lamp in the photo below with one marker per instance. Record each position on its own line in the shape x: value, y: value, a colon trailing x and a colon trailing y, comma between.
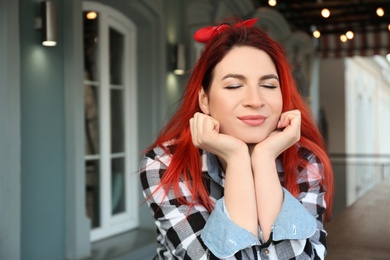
x: 179, y: 60
x: 47, y: 23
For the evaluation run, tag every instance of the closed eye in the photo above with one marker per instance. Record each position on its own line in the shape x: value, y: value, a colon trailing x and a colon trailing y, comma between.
x: 268, y: 86
x: 233, y: 86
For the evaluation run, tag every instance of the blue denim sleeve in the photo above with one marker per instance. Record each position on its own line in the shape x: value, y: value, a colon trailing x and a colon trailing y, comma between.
x: 222, y: 236
x: 294, y: 220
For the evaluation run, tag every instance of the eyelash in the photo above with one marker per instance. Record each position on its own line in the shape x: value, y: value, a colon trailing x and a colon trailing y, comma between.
x: 268, y: 86
x: 238, y: 86
x: 233, y: 86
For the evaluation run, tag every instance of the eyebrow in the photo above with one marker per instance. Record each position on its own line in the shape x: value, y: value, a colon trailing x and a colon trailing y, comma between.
x: 242, y: 77
x: 269, y: 76
x: 235, y: 76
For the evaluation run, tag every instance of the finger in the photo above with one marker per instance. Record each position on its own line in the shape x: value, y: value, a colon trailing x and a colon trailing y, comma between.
x: 293, y: 125
x: 199, y: 124
x: 193, y: 131
x: 292, y: 118
x: 196, y: 124
x: 208, y: 129
x: 288, y: 118
x: 203, y: 127
x: 211, y: 124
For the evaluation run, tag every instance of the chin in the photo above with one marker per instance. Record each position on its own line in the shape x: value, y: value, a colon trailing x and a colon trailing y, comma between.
x: 252, y: 140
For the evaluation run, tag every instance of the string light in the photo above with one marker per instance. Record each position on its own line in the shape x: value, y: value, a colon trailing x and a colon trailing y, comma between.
x: 316, y: 34
x: 91, y: 15
x: 343, y: 38
x: 388, y: 27
x: 272, y: 2
x: 325, y: 13
x: 349, y: 35
x: 380, y: 12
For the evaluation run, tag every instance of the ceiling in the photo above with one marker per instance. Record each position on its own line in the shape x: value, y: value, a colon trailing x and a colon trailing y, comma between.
x: 356, y: 15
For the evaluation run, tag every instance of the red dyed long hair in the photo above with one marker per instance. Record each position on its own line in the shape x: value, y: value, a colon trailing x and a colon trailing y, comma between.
x: 186, y: 161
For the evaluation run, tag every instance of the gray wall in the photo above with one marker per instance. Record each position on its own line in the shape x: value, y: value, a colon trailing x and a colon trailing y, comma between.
x: 42, y: 135
x: 332, y: 101
x: 77, y: 230
x: 9, y: 131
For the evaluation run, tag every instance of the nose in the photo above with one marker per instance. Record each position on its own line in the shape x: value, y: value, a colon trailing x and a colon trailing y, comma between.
x: 253, y: 97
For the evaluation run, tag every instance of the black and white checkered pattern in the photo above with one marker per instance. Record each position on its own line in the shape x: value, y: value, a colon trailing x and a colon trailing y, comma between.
x: 179, y: 226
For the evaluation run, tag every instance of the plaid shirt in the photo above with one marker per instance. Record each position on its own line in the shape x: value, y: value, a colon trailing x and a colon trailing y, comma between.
x: 182, y: 232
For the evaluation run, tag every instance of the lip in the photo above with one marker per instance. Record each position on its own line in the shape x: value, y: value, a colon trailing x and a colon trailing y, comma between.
x: 253, y: 120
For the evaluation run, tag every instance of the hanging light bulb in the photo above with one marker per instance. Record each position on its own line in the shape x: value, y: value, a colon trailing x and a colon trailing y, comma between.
x: 91, y: 15
x: 343, y: 38
x: 325, y: 13
x: 316, y: 34
x: 272, y: 2
x: 388, y: 27
x: 380, y: 12
x: 349, y: 35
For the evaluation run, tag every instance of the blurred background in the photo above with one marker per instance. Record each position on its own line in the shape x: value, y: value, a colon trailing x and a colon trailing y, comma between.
x: 85, y: 86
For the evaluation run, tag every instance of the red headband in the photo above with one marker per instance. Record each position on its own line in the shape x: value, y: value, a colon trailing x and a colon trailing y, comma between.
x: 205, y: 34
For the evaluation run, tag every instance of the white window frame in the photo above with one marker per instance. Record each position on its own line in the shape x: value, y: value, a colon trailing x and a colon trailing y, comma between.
x: 112, y: 225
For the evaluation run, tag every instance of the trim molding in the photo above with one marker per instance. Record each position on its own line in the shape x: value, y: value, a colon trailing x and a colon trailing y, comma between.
x: 10, y: 140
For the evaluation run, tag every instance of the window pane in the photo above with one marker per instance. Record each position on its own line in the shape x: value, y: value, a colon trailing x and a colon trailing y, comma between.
x: 90, y: 46
x: 93, y: 191
x: 118, y: 185
x: 91, y: 120
x: 117, y: 124
x: 116, y: 57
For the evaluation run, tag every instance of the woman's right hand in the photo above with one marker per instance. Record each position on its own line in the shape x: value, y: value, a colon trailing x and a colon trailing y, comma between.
x: 205, y: 135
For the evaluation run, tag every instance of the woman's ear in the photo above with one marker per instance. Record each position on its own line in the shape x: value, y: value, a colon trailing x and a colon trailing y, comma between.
x: 203, y: 101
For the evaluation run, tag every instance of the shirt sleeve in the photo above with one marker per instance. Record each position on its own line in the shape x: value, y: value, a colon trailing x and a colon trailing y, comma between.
x: 223, y: 237
x: 298, y: 230
x: 293, y: 221
x: 180, y: 226
x: 194, y: 233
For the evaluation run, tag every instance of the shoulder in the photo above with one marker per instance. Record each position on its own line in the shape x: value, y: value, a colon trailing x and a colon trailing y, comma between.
x: 312, y: 168
x: 153, y: 165
x: 308, y: 155
x: 161, y: 154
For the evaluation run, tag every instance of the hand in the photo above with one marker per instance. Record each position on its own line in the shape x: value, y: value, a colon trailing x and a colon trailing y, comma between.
x: 288, y: 133
x: 205, y: 135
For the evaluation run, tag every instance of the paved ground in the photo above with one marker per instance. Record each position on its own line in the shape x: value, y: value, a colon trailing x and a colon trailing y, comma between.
x: 362, y: 231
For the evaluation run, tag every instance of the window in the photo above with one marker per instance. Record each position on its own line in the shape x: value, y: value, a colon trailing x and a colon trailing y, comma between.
x: 111, y: 159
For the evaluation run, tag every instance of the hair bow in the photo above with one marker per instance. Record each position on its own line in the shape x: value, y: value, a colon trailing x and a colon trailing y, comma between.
x: 205, y: 34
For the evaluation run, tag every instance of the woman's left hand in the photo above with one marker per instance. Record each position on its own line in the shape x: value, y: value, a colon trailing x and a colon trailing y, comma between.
x: 288, y: 132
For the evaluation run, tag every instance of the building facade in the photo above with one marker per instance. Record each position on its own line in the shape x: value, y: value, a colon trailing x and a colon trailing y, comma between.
x: 75, y: 118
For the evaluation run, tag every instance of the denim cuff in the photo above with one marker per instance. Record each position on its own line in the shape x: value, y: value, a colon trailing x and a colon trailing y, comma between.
x: 222, y: 236
x: 293, y: 221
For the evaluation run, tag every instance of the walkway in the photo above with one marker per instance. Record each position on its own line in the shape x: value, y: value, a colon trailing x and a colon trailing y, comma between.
x: 362, y: 231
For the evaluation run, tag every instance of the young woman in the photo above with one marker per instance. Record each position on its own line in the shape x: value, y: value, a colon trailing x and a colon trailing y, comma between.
x: 240, y: 171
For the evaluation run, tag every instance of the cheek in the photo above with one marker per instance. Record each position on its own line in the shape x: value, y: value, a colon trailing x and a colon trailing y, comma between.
x: 218, y: 106
x: 277, y: 108
x: 278, y: 104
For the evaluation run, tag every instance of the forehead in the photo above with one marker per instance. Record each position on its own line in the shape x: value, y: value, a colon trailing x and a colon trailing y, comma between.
x: 246, y: 60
